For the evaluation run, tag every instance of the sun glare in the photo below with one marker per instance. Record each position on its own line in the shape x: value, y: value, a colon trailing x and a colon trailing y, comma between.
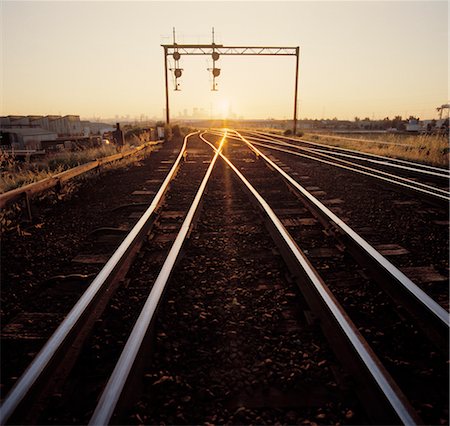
x: 224, y: 108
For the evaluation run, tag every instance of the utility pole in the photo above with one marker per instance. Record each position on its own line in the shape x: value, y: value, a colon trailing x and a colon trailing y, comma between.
x: 167, y: 87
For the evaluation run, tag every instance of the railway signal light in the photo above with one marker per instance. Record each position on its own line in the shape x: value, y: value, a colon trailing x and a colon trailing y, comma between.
x: 177, y: 73
x: 215, y: 72
x: 216, y: 51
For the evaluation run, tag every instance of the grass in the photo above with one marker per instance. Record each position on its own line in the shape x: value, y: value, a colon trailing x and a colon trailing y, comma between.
x: 14, y: 173
x: 429, y: 149
x: 75, y: 158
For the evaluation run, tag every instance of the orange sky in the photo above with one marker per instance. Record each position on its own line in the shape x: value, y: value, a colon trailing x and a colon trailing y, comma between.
x: 358, y: 58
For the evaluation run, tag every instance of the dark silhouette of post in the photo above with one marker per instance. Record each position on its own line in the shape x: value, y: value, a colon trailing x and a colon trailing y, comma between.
x: 118, y: 137
x: 296, y: 90
x: 167, y: 87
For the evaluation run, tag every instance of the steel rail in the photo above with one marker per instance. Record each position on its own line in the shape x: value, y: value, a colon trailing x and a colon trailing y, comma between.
x: 416, y: 168
x: 64, y: 333
x: 431, y: 193
x: 440, y: 196
x: 372, y: 171
x: 335, y: 137
x: 384, y: 161
x: 353, y: 151
x: 321, y: 135
x: 361, y: 156
x: 392, y: 160
x: 429, y: 314
x: 409, y: 182
x: 391, y: 394
x: 117, y: 381
x: 363, y: 140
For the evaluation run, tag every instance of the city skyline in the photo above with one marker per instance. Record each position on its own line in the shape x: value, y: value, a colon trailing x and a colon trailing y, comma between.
x: 366, y: 59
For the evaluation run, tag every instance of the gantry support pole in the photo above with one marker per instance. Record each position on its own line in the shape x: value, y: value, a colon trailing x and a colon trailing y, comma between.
x: 167, y: 87
x: 297, y: 51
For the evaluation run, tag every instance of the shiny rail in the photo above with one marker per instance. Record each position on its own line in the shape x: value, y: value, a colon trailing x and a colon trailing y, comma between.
x: 117, y: 381
x: 429, y: 192
x: 334, y: 152
x: 390, y: 178
x: 429, y: 315
x: 390, y: 160
x: 385, y: 391
x: 57, y: 343
x: 383, y: 162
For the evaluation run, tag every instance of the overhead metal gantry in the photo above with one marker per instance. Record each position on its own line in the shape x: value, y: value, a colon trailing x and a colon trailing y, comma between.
x: 209, y: 49
x: 215, y: 51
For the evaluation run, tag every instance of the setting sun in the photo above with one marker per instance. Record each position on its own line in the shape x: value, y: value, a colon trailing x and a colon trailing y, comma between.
x: 223, y: 108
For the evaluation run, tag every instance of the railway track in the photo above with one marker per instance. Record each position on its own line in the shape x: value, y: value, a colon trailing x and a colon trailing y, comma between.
x: 428, y: 182
x: 414, y: 168
x: 400, y: 223
x: 93, y: 301
x: 355, y: 243
x: 231, y: 335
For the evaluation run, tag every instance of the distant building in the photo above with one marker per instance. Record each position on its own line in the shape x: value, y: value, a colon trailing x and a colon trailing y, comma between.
x: 69, y: 125
x: 26, y: 137
x: 38, y: 121
x: 30, y: 131
x: 18, y: 120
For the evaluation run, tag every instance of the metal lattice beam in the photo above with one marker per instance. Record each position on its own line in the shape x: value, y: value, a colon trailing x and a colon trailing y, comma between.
x: 208, y: 49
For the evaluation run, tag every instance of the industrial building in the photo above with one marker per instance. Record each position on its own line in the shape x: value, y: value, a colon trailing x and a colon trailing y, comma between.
x: 32, y: 131
x: 26, y: 137
x: 69, y: 125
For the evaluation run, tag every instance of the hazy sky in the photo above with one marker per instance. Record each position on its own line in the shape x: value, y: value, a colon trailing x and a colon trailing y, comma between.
x: 358, y: 58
